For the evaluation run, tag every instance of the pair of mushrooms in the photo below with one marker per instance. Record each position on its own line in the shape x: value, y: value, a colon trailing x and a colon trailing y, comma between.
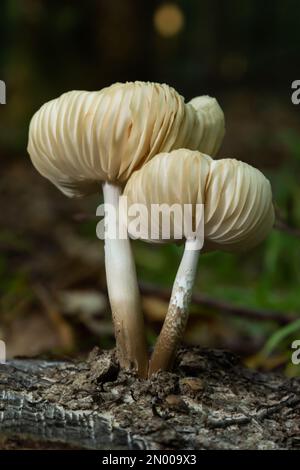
x: 142, y: 140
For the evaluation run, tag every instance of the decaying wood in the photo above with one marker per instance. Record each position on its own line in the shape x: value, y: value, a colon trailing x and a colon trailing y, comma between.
x: 211, y: 402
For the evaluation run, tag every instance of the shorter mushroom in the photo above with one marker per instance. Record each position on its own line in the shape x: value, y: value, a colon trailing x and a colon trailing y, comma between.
x: 238, y: 214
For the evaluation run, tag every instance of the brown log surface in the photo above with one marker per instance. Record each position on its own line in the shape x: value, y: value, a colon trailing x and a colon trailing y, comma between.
x: 210, y: 402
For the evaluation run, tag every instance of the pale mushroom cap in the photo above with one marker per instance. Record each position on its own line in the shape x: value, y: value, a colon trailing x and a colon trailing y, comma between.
x: 237, y: 198
x: 83, y: 138
x: 211, y: 115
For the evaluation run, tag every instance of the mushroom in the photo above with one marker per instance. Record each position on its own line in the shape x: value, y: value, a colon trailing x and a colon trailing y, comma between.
x: 83, y: 139
x: 238, y: 214
x: 209, y: 111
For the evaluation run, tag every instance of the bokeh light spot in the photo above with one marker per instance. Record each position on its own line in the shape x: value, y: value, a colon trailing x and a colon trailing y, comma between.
x: 168, y: 20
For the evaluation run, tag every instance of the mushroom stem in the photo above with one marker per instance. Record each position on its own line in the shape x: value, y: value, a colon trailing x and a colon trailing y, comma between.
x: 178, y: 311
x: 123, y: 291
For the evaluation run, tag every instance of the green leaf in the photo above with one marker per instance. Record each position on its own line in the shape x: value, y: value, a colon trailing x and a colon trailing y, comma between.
x: 279, y: 336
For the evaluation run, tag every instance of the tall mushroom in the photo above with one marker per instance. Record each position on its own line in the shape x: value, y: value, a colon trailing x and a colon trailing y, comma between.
x: 238, y: 214
x: 84, y: 139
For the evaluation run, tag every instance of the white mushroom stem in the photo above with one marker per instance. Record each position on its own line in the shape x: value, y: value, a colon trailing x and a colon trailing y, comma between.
x: 123, y: 291
x: 178, y: 311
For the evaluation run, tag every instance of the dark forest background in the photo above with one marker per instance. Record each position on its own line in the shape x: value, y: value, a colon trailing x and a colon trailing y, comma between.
x: 52, y: 283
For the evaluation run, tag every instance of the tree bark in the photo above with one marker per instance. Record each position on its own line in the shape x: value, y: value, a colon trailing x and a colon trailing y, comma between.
x: 211, y: 401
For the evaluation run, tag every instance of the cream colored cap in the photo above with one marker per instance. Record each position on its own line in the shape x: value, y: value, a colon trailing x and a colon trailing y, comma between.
x: 211, y: 116
x: 237, y: 198
x: 83, y: 138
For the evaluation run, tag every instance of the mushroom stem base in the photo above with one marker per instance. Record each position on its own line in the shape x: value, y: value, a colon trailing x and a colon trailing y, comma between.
x: 178, y: 311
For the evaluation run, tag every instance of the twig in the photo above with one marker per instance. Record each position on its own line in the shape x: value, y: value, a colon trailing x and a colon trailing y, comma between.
x: 284, y: 227
x: 234, y: 310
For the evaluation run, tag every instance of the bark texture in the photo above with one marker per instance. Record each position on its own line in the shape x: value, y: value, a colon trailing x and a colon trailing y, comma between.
x: 210, y: 402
